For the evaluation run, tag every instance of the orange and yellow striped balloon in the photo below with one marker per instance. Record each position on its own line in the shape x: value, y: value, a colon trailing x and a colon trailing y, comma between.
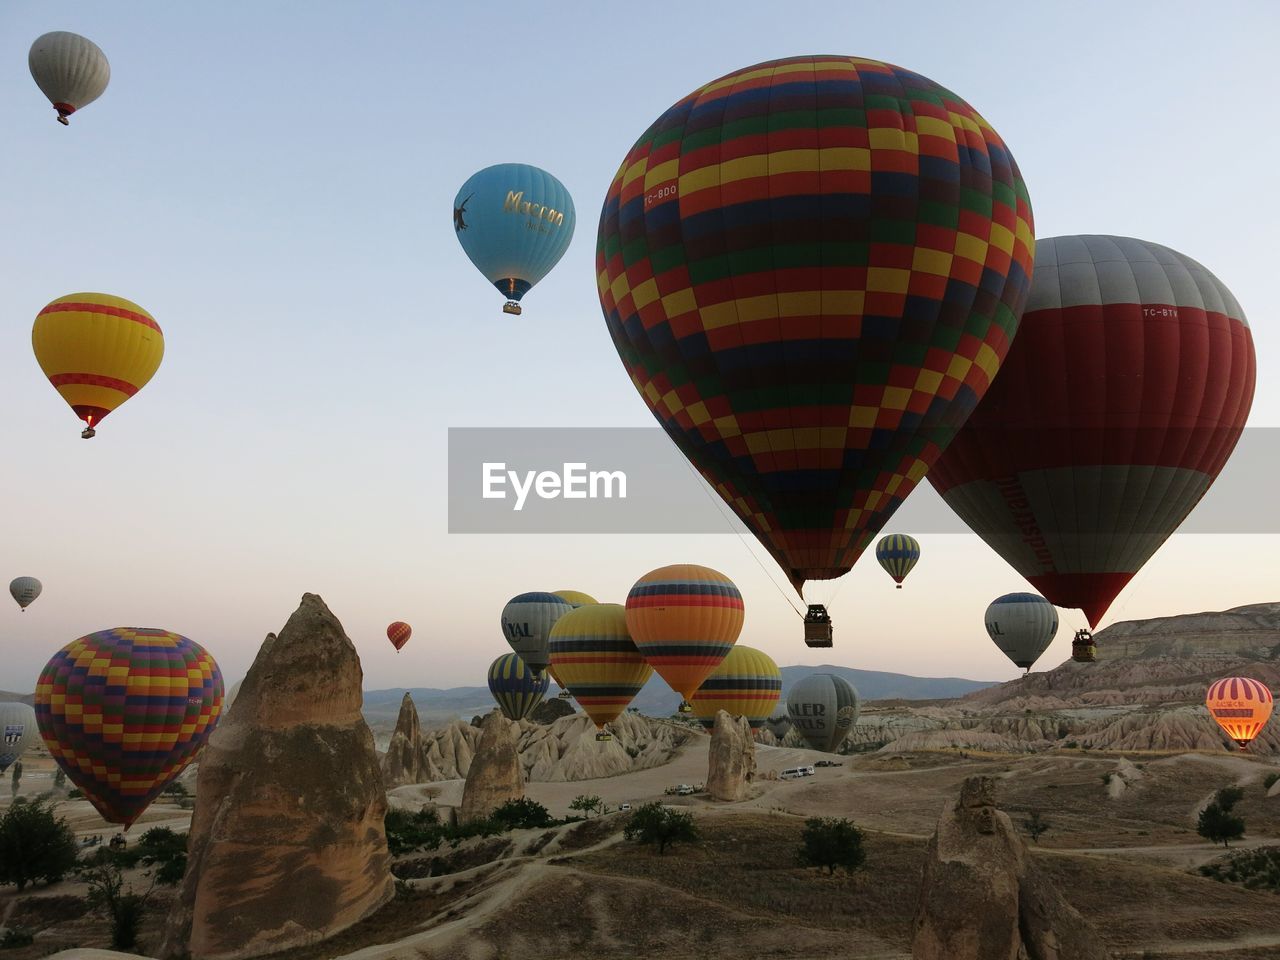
x: 746, y: 684
x: 1241, y: 706
x: 685, y: 619
x: 97, y: 350
x: 600, y: 665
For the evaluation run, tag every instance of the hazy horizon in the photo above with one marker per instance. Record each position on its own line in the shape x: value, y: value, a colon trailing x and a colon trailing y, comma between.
x: 275, y: 186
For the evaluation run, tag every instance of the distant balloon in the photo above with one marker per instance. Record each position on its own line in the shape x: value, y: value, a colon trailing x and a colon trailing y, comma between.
x: 823, y: 708
x: 123, y: 711
x: 592, y: 650
x: 399, y: 633
x: 17, y: 727
x: 684, y: 619
x: 97, y: 350
x: 1121, y: 400
x: 898, y: 554
x: 69, y: 69
x: 526, y: 624
x: 811, y: 269
x: 1241, y: 706
x: 575, y: 598
x: 516, y: 688
x: 515, y: 222
x: 1022, y: 625
x: 747, y: 683
x: 25, y: 590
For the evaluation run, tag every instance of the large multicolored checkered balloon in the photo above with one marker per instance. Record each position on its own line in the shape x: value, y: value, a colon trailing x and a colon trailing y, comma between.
x: 812, y: 268
x: 124, y: 710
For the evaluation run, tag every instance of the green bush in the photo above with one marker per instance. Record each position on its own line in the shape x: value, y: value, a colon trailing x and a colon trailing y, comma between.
x: 166, y: 850
x: 831, y: 842
x: 124, y: 908
x: 413, y: 831
x: 35, y: 844
x: 16, y: 937
x: 522, y: 814
x: 1257, y: 869
x: 653, y: 823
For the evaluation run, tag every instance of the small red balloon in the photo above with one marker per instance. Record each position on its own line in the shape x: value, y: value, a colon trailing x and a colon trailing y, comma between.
x: 399, y: 633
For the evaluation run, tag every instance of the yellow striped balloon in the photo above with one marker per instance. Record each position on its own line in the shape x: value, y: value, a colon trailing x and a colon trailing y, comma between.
x: 898, y: 553
x: 575, y: 598
x: 685, y: 619
x: 746, y: 684
x: 97, y: 350
x: 592, y: 650
x: 516, y: 689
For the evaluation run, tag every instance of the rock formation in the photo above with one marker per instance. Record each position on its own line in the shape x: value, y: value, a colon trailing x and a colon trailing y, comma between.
x: 549, y: 711
x: 406, y: 760
x: 731, y: 762
x: 287, y: 844
x: 495, y: 775
x: 984, y: 898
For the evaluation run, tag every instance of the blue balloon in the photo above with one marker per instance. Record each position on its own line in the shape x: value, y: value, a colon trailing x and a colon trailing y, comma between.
x: 516, y: 688
x: 515, y: 222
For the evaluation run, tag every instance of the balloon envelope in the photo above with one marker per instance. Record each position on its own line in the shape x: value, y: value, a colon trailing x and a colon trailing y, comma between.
x: 17, y: 727
x: 1241, y: 706
x: 1121, y: 399
x: 823, y: 708
x: 594, y: 654
x: 684, y: 619
x: 515, y: 222
x: 123, y: 711
x: 526, y: 624
x: 575, y: 598
x: 811, y: 270
x: 25, y: 590
x: 399, y: 633
x: 1022, y: 625
x: 898, y: 554
x: 71, y: 70
x: 516, y: 688
x: 97, y: 350
x: 747, y: 683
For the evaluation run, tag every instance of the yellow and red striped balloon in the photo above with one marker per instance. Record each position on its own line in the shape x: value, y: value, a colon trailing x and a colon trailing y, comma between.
x: 746, y: 684
x: 97, y: 350
x: 592, y: 651
x: 575, y: 598
x: 1241, y: 706
x: 685, y: 619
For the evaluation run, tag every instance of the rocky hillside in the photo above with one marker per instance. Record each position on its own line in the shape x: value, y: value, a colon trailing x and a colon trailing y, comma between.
x: 564, y: 750
x: 1250, y: 632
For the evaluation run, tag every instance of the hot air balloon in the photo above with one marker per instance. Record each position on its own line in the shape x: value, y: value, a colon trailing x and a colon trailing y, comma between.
x: 823, y: 708
x: 747, y: 683
x: 684, y: 619
x: 97, y: 350
x: 17, y: 726
x: 526, y: 624
x: 69, y: 69
x: 898, y: 554
x: 25, y: 590
x: 399, y: 633
x: 575, y: 598
x: 1241, y: 706
x: 1121, y: 400
x: 123, y: 711
x: 811, y: 270
x: 516, y: 688
x: 1022, y: 625
x: 515, y: 222
x: 592, y: 650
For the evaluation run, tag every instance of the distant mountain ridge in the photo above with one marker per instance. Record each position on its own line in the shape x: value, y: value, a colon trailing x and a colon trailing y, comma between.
x: 656, y: 699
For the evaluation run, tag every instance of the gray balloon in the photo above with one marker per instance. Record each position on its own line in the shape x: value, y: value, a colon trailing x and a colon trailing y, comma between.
x: 1022, y: 625
x: 823, y: 708
x: 25, y: 590
x: 17, y: 728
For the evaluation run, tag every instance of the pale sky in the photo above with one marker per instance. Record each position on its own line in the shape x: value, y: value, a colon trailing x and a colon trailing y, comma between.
x: 273, y: 182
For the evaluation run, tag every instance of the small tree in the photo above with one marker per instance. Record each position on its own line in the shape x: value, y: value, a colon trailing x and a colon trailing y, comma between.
x: 124, y: 907
x: 166, y: 850
x: 1216, y: 820
x: 830, y: 842
x: 34, y: 844
x: 17, y: 776
x: 1035, y: 825
x: 526, y: 813
x: 654, y: 823
x: 588, y: 804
